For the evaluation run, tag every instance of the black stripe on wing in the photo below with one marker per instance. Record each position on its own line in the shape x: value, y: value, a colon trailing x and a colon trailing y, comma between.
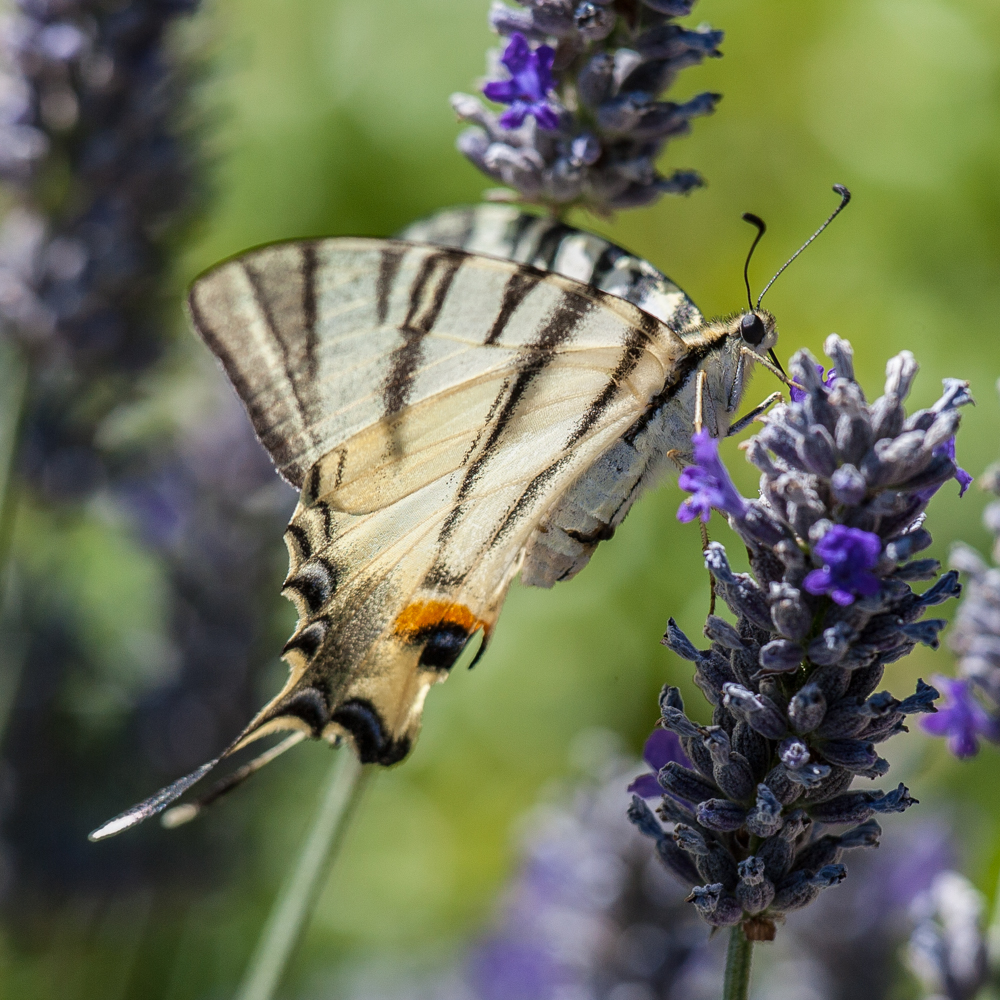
x: 427, y: 296
x: 309, y: 264
x: 263, y: 302
x: 636, y: 343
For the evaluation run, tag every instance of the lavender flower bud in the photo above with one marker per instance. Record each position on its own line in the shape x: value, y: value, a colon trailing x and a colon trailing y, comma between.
x: 921, y: 701
x: 686, y: 784
x: 643, y: 817
x: 690, y: 841
x: 676, y: 641
x: 721, y: 815
x: 855, y: 807
x: 780, y: 657
x: 720, y: 631
x: 832, y: 645
x: 855, y: 755
x: 717, y: 865
x: 754, y: 891
x: 842, y: 355
x: 765, y: 817
x: 847, y: 484
x: 801, y: 888
x: 790, y: 614
x: 807, y: 708
x: 676, y: 861
x: 812, y: 777
x: 714, y: 907
x: 758, y: 710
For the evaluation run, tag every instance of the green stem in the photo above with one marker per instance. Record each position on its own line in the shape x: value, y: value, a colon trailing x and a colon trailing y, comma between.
x: 736, y: 985
x: 14, y: 390
x: 293, y: 907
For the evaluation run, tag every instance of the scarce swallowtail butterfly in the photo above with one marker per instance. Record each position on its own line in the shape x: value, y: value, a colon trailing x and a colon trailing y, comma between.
x: 485, y: 396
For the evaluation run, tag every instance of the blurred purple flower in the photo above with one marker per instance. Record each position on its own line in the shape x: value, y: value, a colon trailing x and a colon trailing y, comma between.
x: 962, y: 719
x: 709, y: 483
x: 529, y: 84
x: 661, y: 748
x: 849, y: 555
x: 505, y: 968
x: 799, y: 395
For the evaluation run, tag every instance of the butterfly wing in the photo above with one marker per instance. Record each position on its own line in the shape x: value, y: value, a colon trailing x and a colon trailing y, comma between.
x: 432, y: 404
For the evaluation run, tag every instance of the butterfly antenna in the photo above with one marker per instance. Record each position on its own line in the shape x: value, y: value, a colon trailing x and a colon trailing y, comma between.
x: 845, y: 197
x: 754, y: 220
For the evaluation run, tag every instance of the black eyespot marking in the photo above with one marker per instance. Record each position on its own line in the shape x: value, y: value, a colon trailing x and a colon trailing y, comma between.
x: 752, y: 329
x: 361, y: 719
x: 444, y: 646
x: 309, y: 640
x: 316, y: 581
x: 310, y: 706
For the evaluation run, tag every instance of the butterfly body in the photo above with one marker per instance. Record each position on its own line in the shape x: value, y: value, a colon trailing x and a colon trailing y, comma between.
x: 487, y: 395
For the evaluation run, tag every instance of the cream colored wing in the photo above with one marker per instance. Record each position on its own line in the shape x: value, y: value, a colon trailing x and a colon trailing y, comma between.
x: 433, y: 405
x: 446, y: 420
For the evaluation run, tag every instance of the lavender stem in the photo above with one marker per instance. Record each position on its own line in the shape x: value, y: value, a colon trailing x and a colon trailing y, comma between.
x: 739, y: 957
x: 290, y: 916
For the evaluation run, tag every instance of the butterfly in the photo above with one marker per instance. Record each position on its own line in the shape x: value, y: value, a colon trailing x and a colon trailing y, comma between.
x: 483, y: 397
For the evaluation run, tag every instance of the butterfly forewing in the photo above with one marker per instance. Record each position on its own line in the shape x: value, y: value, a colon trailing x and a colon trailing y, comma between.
x: 549, y: 245
x: 432, y: 404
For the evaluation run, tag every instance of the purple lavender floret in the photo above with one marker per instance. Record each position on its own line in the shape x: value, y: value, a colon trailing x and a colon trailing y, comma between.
x: 583, y: 124
x: 528, y: 87
x: 848, y: 555
x: 709, y: 481
x: 799, y: 395
x: 834, y: 542
x: 661, y: 748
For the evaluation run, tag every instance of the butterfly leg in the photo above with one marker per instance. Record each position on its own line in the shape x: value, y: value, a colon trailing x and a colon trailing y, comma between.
x: 770, y: 366
x: 745, y: 421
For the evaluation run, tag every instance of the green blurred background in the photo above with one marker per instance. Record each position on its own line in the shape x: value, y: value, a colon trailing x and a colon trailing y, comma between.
x: 331, y: 117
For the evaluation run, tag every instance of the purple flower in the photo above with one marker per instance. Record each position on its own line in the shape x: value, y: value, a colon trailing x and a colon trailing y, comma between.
x: 962, y: 718
x: 661, y: 748
x: 530, y: 81
x: 948, y: 449
x: 709, y: 481
x: 848, y: 555
x: 798, y: 395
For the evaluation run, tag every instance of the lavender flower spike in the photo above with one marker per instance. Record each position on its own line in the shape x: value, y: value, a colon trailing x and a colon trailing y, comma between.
x: 583, y: 124
x: 795, y: 686
x: 973, y: 708
x: 529, y: 84
x: 709, y: 483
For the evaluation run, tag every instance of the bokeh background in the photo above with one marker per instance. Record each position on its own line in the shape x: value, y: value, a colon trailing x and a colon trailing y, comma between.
x: 146, y: 623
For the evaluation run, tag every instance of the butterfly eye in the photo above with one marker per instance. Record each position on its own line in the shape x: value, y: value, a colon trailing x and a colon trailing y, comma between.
x: 752, y: 329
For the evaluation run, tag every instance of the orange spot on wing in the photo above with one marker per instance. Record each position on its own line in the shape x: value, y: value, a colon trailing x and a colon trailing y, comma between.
x: 421, y: 616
